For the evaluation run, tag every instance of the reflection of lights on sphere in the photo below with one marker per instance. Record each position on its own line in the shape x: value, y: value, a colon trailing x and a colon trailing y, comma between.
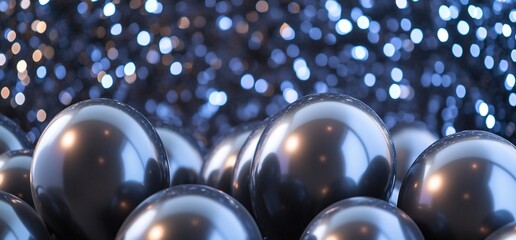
x: 94, y: 163
x: 220, y: 161
x: 409, y: 141
x: 317, y: 151
x: 242, y: 170
x: 184, y: 154
x: 462, y: 186
x: 361, y: 218
x: 15, y: 174
x: 11, y: 136
x: 189, y: 212
x: 19, y: 220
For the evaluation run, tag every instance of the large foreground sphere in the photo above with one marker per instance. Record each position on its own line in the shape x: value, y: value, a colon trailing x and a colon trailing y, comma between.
x: 362, y: 218
x: 15, y: 174
x: 11, y: 136
x: 184, y: 155
x: 319, y: 150
x: 94, y: 163
x: 190, y: 212
x: 18, y: 220
x: 462, y: 187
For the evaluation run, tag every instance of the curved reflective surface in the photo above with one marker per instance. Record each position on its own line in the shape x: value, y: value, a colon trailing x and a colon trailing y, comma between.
x: 508, y: 232
x: 462, y: 187
x: 217, y: 171
x: 94, y: 163
x: 11, y: 136
x: 409, y: 141
x: 319, y: 150
x: 193, y: 212
x: 184, y: 155
x: 15, y: 174
x: 242, y: 169
x: 18, y: 220
x: 362, y: 218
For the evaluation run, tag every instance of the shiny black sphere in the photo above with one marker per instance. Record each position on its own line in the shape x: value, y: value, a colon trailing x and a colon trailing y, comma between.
x: 242, y: 170
x: 319, y: 150
x: 94, y: 163
x: 193, y: 212
x: 18, y: 220
x: 363, y: 218
x: 11, y: 136
x: 218, y: 167
x: 15, y: 174
x: 184, y: 155
x: 409, y: 141
x: 462, y: 187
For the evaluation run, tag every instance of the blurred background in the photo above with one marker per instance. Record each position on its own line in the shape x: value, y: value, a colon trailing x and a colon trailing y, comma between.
x: 211, y: 65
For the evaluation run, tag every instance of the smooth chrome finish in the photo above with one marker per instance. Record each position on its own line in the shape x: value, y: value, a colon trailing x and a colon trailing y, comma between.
x: 193, y: 212
x: 18, y: 220
x: 362, y: 218
x: 217, y: 171
x: 409, y: 141
x: 462, y: 187
x: 11, y: 136
x: 242, y: 169
x: 94, y: 163
x: 15, y: 174
x: 184, y: 155
x: 319, y: 150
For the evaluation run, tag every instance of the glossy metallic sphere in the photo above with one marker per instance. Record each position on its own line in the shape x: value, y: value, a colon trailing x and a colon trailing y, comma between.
x: 363, y: 218
x: 242, y: 169
x: 94, y: 163
x: 15, y: 174
x: 189, y: 212
x: 508, y: 232
x: 217, y: 171
x: 11, y: 136
x: 319, y: 150
x: 184, y: 155
x: 18, y: 220
x: 462, y: 187
x: 409, y: 141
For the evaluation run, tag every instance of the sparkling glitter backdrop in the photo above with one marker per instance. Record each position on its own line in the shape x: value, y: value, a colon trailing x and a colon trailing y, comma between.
x: 209, y: 65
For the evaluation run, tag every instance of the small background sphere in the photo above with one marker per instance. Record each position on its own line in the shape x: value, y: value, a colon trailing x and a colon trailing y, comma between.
x: 184, y: 154
x: 11, y: 136
x: 18, y: 220
x: 409, y: 141
x: 242, y: 170
x: 15, y: 174
x: 462, y: 186
x: 218, y: 167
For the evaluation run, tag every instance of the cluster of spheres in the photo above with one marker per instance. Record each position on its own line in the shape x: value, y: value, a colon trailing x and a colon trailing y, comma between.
x: 257, y: 119
x: 324, y: 167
